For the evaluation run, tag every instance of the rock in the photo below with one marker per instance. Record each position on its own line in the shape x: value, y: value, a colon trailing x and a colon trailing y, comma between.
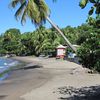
x: 81, y: 70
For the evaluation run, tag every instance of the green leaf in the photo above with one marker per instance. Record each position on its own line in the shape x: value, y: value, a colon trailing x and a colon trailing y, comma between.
x: 98, y: 23
x: 83, y: 3
x: 98, y: 10
x: 91, y: 11
x: 92, y: 1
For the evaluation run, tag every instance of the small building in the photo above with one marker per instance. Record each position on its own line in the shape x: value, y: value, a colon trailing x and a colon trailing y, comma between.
x: 61, y: 51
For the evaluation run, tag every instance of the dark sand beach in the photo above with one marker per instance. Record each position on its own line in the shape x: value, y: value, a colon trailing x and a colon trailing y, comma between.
x: 22, y: 80
x: 48, y: 79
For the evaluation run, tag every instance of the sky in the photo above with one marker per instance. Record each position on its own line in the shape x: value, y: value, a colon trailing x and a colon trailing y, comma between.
x: 63, y: 13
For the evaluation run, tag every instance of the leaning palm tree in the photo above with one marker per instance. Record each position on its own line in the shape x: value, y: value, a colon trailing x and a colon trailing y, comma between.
x: 38, y: 12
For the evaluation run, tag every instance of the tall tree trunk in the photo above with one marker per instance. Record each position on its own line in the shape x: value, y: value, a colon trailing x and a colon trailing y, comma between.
x: 61, y: 33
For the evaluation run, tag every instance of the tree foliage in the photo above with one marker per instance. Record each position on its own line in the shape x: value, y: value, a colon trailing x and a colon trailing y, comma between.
x: 36, y: 10
x: 94, y: 8
x: 40, y: 41
x: 90, y: 51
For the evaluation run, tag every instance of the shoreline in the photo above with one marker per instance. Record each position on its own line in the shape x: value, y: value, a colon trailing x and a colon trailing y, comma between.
x: 11, y: 66
x: 21, y: 64
x: 21, y: 81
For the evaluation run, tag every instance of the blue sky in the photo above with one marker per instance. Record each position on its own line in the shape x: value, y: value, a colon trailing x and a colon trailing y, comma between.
x: 63, y: 13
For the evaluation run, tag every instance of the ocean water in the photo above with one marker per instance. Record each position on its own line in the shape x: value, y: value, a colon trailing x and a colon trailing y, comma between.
x: 5, y: 63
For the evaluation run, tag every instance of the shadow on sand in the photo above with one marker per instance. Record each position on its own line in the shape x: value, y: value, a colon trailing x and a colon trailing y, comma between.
x: 2, y: 96
x: 27, y: 67
x: 85, y: 93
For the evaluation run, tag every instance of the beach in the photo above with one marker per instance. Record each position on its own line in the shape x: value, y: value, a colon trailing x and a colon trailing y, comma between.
x: 46, y: 78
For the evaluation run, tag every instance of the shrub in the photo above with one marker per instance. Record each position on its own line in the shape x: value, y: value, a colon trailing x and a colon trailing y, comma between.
x: 89, y: 52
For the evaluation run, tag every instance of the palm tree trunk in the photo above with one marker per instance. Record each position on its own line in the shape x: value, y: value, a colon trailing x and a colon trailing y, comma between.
x: 61, y: 33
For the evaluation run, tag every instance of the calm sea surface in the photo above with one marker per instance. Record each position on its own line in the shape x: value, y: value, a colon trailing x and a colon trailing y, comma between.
x: 5, y: 63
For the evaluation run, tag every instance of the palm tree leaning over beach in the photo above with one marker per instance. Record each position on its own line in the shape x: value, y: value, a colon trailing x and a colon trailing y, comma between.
x: 38, y: 12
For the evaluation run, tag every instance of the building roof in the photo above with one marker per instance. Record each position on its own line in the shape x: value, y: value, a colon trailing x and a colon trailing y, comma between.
x: 61, y: 46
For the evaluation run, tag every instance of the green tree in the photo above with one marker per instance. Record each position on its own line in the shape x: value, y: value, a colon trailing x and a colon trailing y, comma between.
x: 71, y: 33
x: 89, y: 52
x: 2, y: 50
x: 94, y: 8
x: 28, y: 44
x: 41, y: 40
x: 38, y: 12
x: 11, y: 41
x: 84, y: 30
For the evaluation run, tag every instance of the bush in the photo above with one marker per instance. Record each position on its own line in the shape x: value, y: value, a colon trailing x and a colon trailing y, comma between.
x: 89, y: 52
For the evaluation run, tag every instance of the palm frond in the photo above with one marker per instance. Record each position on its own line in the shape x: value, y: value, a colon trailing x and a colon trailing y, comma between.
x: 23, y: 19
x: 14, y: 3
x: 36, y: 10
x: 19, y: 12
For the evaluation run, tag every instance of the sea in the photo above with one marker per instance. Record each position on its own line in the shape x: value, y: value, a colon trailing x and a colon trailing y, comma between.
x: 6, y: 63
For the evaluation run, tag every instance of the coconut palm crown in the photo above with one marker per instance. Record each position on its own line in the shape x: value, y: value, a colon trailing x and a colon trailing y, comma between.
x: 36, y: 10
